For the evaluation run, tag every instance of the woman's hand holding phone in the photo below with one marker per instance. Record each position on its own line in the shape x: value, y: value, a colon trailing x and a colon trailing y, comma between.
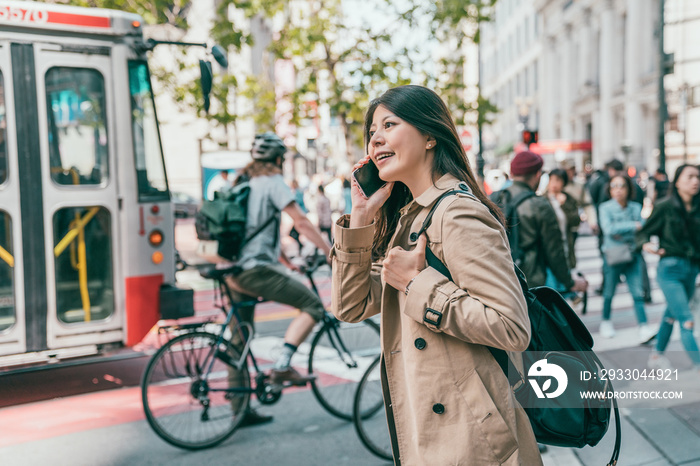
x: 365, y: 209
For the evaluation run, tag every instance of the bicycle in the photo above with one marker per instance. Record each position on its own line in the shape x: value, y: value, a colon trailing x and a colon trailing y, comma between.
x: 197, y: 387
x: 369, y: 415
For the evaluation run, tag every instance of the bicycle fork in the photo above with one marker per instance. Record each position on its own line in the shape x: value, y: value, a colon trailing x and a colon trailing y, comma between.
x: 337, y: 342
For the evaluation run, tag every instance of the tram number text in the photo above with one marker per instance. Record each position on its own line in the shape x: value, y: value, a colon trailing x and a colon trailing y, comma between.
x: 23, y: 15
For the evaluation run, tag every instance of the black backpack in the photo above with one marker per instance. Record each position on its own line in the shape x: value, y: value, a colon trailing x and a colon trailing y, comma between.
x: 558, y: 337
x: 223, y: 219
x: 509, y: 205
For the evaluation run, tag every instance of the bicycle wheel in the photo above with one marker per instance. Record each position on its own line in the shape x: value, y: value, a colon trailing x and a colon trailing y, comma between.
x: 369, y: 414
x: 340, y: 353
x: 187, y: 404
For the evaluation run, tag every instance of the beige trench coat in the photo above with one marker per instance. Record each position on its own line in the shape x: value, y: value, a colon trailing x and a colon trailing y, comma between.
x: 448, y: 401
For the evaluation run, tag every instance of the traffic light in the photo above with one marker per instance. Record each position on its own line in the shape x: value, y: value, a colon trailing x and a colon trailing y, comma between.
x: 529, y: 137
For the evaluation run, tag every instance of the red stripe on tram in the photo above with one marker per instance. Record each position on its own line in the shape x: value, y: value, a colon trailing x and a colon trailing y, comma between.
x: 78, y: 20
x: 142, y: 306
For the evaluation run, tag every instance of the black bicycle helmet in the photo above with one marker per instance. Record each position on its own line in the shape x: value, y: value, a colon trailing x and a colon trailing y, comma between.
x: 267, y: 146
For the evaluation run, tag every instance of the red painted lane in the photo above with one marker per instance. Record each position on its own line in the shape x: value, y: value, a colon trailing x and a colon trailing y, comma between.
x: 62, y: 416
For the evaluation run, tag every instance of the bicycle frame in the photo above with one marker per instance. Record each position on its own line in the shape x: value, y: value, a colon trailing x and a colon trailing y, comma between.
x: 336, y: 341
x: 245, y: 330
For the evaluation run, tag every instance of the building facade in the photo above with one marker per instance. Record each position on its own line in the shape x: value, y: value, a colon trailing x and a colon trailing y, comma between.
x: 509, y: 62
x: 600, y: 78
x: 595, y: 82
x: 681, y: 38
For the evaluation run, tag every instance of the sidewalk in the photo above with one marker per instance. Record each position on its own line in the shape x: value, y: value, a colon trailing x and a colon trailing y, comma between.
x: 650, y: 436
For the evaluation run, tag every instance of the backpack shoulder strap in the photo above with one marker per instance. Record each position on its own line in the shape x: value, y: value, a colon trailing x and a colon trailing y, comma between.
x: 519, y: 199
x: 432, y: 259
x: 499, y: 355
x: 463, y: 189
x: 261, y: 228
x: 501, y: 197
x: 264, y: 225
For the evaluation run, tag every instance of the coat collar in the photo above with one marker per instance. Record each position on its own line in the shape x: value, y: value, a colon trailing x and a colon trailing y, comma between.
x: 445, y: 183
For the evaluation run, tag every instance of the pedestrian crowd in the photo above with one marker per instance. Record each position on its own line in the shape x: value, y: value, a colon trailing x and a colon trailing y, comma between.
x: 613, y: 205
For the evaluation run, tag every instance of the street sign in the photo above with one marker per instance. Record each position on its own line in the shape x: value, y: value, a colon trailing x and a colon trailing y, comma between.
x: 466, y: 138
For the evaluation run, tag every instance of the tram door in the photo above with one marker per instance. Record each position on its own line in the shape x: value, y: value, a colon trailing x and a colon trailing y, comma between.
x: 67, y: 196
x: 12, y: 329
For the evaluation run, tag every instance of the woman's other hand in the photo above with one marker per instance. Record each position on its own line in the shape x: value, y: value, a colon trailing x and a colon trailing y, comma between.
x: 363, y: 209
x: 401, y: 266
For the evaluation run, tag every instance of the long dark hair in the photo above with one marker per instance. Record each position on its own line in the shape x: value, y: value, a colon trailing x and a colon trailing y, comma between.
x: 423, y: 109
x: 673, y: 190
x: 259, y: 168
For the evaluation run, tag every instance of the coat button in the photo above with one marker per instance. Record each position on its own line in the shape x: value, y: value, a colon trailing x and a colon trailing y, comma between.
x: 420, y: 343
x: 438, y: 408
x: 414, y: 236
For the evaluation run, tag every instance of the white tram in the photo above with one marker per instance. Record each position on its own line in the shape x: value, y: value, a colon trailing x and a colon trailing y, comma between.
x: 86, y: 223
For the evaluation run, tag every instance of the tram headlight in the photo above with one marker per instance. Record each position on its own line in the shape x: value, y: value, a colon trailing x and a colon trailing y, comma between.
x: 155, y: 238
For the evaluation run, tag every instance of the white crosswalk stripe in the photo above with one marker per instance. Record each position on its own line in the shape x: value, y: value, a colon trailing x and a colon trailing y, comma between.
x: 268, y: 348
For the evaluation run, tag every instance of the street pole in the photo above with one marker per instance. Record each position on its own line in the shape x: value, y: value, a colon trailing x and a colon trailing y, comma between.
x: 662, y: 91
x: 683, y: 117
x: 479, y: 118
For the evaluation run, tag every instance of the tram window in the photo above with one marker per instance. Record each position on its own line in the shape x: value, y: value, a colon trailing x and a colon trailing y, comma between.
x: 3, y: 134
x: 77, y: 122
x: 83, y: 264
x: 7, y: 287
x: 150, y: 168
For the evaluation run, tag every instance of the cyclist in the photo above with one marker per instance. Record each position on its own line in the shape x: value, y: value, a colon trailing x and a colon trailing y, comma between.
x: 259, y: 272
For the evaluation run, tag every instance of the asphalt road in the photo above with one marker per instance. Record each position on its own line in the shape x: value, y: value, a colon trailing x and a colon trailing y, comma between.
x: 301, y: 433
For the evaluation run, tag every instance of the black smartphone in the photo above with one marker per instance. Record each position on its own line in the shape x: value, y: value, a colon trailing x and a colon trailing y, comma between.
x: 367, y: 177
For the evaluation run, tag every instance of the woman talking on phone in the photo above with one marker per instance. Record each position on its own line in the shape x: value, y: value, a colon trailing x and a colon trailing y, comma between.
x: 447, y: 399
x: 676, y: 221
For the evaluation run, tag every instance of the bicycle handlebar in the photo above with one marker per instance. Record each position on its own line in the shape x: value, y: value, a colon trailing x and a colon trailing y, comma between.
x: 313, y: 262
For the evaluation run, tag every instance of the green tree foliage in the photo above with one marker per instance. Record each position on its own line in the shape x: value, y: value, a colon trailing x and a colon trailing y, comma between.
x: 338, y: 61
x: 261, y: 92
x: 452, y: 22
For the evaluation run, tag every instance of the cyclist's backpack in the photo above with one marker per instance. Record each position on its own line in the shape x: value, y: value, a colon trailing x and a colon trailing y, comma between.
x: 509, y: 205
x: 558, y: 337
x: 223, y: 219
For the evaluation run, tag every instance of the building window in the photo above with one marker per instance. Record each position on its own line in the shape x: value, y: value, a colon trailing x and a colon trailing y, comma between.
x: 534, y: 76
